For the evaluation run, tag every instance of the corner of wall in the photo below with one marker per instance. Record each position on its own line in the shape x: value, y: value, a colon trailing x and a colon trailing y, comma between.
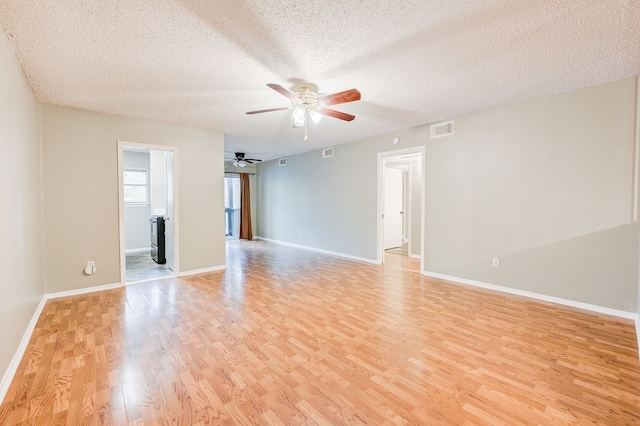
x: 636, y: 195
x: 638, y: 333
x: 10, y: 372
x: 40, y: 143
x: 635, y: 214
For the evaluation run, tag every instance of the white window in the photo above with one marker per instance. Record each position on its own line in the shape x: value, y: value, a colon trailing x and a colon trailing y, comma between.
x: 136, y: 186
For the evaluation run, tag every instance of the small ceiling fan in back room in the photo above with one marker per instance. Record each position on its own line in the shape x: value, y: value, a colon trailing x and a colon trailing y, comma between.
x: 306, y: 103
x: 240, y: 160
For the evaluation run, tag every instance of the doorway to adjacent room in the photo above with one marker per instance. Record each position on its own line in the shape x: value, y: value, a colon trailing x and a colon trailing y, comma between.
x: 148, y: 226
x: 401, y: 204
x: 232, y: 202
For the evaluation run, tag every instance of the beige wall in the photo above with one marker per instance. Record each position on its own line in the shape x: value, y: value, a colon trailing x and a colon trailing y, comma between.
x: 329, y: 203
x: 80, y: 193
x: 546, y: 186
x: 21, y: 262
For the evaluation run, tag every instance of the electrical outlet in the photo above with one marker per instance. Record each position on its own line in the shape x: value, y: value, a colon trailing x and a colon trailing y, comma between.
x: 91, y: 268
x: 496, y: 262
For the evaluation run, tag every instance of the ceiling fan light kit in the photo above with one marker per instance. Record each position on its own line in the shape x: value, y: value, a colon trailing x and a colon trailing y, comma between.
x: 315, y: 116
x: 298, y: 117
x: 306, y: 103
x: 240, y: 160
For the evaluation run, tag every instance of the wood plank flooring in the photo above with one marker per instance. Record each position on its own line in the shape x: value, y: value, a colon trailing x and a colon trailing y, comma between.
x: 288, y: 337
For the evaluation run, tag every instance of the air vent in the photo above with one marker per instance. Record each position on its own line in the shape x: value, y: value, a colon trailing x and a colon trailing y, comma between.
x: 442, y: 129
x: 282, y: 162
x: 327, y: 152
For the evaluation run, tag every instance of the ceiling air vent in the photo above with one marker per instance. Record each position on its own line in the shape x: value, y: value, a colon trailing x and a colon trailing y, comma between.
x: 282, y: 162
x: 441, y: 129
x: 327, y: 152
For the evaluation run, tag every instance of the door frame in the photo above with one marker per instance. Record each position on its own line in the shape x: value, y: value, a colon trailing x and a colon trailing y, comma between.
x: 176, y: 223
x: 380, y: 200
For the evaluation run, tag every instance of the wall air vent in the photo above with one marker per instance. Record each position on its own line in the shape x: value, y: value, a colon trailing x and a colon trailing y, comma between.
x: 282, y: 162
x: 442, y: 129
x: 327, y: 152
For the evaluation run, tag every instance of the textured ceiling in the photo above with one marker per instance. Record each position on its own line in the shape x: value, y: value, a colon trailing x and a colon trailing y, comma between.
x: 204, y: 64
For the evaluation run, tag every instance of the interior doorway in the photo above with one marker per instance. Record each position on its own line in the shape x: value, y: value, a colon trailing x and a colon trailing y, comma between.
x: 148, y: 207
x: 401, y: 203
x: 232, y: 202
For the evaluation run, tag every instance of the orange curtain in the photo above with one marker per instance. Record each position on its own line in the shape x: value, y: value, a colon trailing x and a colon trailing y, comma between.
x: 245, y: 208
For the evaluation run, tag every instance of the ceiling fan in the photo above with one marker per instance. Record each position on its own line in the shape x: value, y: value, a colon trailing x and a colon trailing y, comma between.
x: 240, y: 160
x: 305, y: 102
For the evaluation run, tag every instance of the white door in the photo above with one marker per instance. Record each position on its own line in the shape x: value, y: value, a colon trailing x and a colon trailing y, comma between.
x: 169, y: 239
x: 393, y: 205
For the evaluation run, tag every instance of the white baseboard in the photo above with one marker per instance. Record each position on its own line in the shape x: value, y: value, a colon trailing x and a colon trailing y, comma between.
x: 414, y: 256
x: 538, y: 296
x: 17, y: 357
x: 202, y: 271
x: 332, y: 253
x: 79, y: 291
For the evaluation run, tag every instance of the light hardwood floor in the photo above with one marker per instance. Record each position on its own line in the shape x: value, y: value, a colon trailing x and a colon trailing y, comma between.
x: 285, y: 336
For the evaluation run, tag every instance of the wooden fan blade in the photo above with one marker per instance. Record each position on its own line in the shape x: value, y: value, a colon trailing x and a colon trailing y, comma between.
x: 283, y: 91
x: 260, y: 111
x: 336, y: 114
x: 252, y: 160
x: 340, y: 98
